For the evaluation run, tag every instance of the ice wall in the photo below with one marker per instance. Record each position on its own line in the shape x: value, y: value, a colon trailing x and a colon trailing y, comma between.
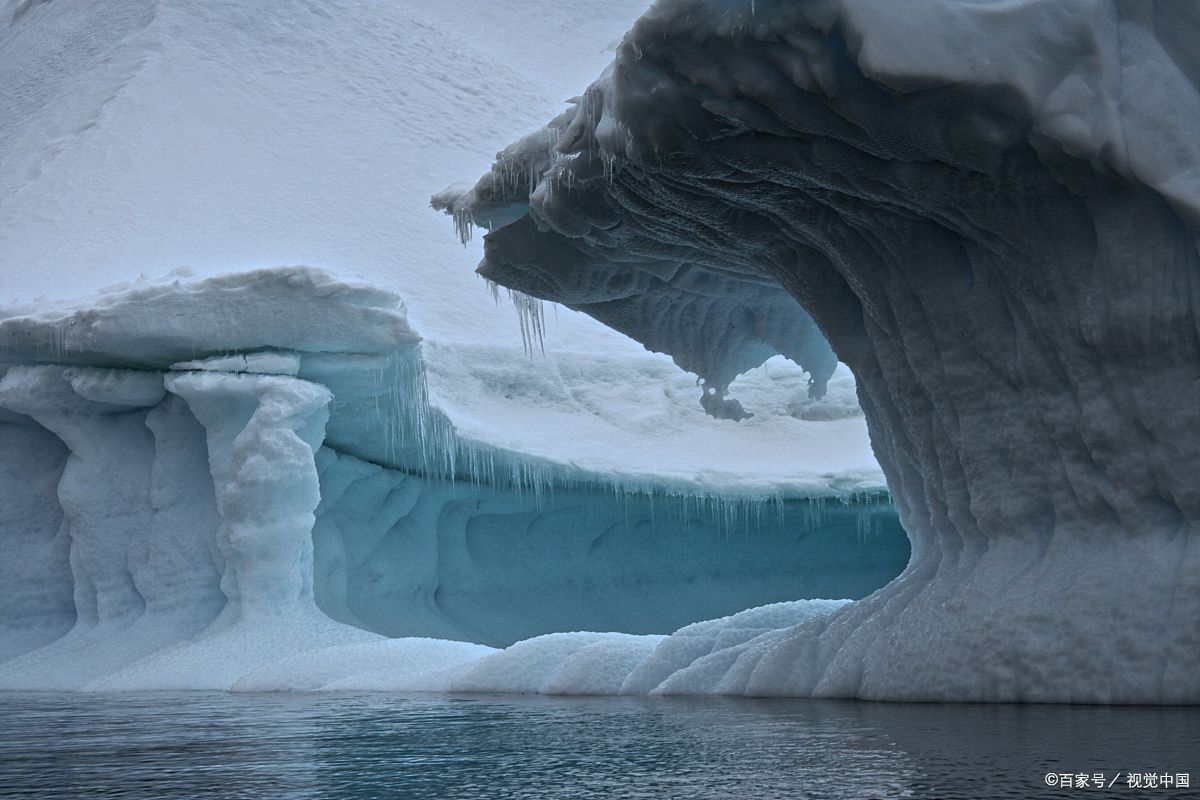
x: 36, y: 589
x: 243, y: 481
x: 991, y: 211
x: 407, y: 555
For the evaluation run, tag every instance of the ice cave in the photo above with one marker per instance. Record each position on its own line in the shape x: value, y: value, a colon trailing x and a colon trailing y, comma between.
x: 815, y: 354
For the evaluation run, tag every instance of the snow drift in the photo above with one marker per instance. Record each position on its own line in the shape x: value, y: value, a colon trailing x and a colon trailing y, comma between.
x: 991, y: 211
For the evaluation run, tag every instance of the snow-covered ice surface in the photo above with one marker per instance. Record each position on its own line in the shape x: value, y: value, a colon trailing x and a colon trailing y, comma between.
x: 144, y: 137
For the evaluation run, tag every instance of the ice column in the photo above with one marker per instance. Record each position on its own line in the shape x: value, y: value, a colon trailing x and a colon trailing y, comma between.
x: 104, y: 494
x: 262, y: 431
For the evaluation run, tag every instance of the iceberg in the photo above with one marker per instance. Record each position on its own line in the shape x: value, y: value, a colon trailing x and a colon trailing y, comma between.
x: 246, y: 482
x: 973, y: 240
x: 460, y: 495
x: 991, y: 210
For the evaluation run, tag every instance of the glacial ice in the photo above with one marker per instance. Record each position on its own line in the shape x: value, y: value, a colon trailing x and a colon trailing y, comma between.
x: 462, y: 484
x: 994, y: 221
x: 991, y: 218
x: 244, y: 482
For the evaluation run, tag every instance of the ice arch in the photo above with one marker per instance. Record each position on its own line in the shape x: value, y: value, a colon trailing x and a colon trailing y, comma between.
x: 991, y: 211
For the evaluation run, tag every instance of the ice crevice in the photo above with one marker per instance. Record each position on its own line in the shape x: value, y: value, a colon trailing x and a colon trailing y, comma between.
x: 202, y: 501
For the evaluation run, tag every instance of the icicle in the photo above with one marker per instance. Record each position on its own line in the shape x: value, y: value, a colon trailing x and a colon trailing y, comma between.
x: 532, y: 318
x: 464, y: 225
x: 494, y: 288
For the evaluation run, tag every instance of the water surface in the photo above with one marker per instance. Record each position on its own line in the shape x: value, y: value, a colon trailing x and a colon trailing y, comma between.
x: 209, y: 745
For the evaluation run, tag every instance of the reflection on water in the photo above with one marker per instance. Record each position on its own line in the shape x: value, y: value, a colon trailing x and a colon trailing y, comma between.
x: 350, y: 746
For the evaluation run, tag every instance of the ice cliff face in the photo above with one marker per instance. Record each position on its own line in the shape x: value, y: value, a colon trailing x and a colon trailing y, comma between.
x: 994, y: 221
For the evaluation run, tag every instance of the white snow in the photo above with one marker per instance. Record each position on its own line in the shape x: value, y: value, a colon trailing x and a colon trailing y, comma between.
x: 151, y: 135
x: 630, y: 421
x: 204, y: 139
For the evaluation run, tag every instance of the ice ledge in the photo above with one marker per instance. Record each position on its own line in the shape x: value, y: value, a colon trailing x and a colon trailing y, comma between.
x: 156, y: 324
x: 450, y: 410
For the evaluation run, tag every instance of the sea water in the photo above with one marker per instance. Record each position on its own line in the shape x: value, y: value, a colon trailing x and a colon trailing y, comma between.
x: 218, y: 745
